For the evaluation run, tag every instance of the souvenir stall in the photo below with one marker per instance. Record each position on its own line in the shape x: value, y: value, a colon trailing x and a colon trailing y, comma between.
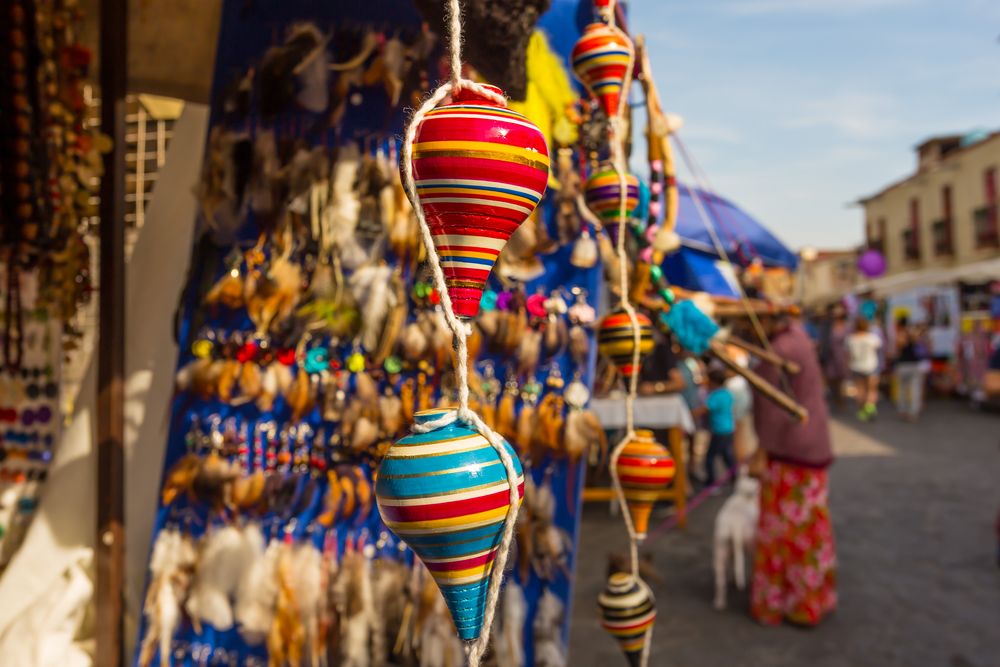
x: 314, y: 333
x: 49, y: 164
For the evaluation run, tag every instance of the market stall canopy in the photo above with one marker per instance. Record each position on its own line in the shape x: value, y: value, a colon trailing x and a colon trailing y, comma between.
x: 742, y: 236
x: 977, y: 272
x: 171, y: 45
x: 702, y: 272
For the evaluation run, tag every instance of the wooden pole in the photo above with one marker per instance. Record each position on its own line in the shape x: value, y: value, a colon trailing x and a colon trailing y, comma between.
x: 764, y: 355
x: 771, y: 392
x: 110, y: 555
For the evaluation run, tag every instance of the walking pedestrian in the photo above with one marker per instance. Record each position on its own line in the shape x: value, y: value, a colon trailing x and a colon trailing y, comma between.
x: 909, y: 369
x: 722, y: 426
x: 863, y: 359
x: 835, y: 355
x: 794, y: 575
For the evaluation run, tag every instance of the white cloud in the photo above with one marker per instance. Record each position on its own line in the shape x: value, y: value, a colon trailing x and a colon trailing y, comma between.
x: 761, y: 7
x: 854, y: 115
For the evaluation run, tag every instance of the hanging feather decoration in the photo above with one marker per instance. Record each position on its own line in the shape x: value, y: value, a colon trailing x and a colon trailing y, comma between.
x: 171, y: 568
x: 389, y: 580
x: 370, y: 285
x: 286, y: 638
x: 226, y: 554
x: 585, y: 251
x: 547, y: 631
x: 307, y: 567
x: 355, y: 605
x: 257, y: 595
x: 508, y: 634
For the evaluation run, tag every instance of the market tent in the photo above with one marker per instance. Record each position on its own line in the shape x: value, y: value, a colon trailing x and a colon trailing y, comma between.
x: 696, y: 270
x: 741, y: 235
x: 698, y: 265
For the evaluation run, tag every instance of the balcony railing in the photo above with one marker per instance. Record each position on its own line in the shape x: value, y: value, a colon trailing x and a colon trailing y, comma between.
x: 911, y: 246
x: 941, y: 233
x: 986, y: 227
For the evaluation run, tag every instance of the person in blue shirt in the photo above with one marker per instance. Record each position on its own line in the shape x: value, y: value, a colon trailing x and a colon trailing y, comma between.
x: 719, y: 407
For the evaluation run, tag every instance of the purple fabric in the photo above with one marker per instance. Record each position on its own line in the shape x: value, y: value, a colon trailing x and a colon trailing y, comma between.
x: 783, y: 437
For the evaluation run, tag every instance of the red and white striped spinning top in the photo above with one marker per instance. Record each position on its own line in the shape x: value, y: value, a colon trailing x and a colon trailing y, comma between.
x: 480, y: 170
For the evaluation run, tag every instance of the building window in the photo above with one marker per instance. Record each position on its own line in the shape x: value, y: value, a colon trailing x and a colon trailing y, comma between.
x: 876, y: 235
x: 985, y: 217
x: 941, y: 229
x: 911, y: 236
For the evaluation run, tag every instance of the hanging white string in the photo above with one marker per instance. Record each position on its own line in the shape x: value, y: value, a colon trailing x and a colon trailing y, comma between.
x: 459, y: 329
x: 720, y: 248
x: 618, y: 163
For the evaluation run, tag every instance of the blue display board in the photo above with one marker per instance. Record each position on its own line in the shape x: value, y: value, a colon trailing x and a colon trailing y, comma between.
x: 370, y: 122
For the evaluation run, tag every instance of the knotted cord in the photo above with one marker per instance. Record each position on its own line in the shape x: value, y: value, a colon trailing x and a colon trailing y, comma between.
x: 460, y: 330
x: 618, y: 163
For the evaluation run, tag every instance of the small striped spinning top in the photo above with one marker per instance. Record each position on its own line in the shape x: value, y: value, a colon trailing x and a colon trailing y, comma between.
x: 601, y: 59
x: 628, y: 612
x: 446, y: 494
x: 603, y: 195
x: 644, y: 468
x: 480, y: 170
x: 616, y: 340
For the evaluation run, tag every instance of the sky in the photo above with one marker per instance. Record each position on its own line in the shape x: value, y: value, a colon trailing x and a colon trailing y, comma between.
x: 795, y: 109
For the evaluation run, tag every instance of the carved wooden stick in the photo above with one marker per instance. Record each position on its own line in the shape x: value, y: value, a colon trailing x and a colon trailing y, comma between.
x: 764, y: 355
x: 783, y: 400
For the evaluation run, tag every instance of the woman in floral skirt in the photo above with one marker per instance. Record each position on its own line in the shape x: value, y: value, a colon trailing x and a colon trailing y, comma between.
x: 794, y: 576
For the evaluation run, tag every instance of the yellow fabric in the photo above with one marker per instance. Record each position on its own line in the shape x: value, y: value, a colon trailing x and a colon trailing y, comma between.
x: 549, y: 93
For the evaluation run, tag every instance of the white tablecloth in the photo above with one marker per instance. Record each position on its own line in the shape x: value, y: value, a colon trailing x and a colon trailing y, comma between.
x: 650, y: 412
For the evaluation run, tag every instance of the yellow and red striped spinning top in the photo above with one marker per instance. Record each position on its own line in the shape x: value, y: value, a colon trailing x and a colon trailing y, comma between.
x: 616, y: 340
x: 480, y: 170
x: 644, y: 468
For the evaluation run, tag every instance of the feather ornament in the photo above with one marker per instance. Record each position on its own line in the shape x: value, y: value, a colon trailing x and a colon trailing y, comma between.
x: 286, y: 637
x: 225, y: 555
x: 413, y: 342
x: 579, y: 345
x: 389, y: 580
x: 370, y: 285
x: 585, y: 251
x: 508, y: 634
x: 300, y: 395
x: 527, y: 423
x: 390, y: 409
x: 171, y: 567
x: 506, y: 418
x: 547, y: 631
x: 307, y: 568
x: 529, y: 352
x: 355, y: 605
x: 257, y: 594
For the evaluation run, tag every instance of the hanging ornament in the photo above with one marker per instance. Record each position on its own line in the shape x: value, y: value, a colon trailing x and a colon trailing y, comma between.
x: 602, y: 59
x: 644, y: 467
x: 616, y: 340
x: 628, y: 612
x: 480, y: 170
x: 445, y: 493
x: 603, y: 195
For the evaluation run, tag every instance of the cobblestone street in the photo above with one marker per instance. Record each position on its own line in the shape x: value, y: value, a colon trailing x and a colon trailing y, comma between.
x: 914, y: 507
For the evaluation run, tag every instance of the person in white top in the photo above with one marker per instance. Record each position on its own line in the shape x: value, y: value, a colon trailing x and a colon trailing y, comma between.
x: 863, y: 348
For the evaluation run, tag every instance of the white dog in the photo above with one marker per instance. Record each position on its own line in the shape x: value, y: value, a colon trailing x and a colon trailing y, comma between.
x: 735, y: 531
